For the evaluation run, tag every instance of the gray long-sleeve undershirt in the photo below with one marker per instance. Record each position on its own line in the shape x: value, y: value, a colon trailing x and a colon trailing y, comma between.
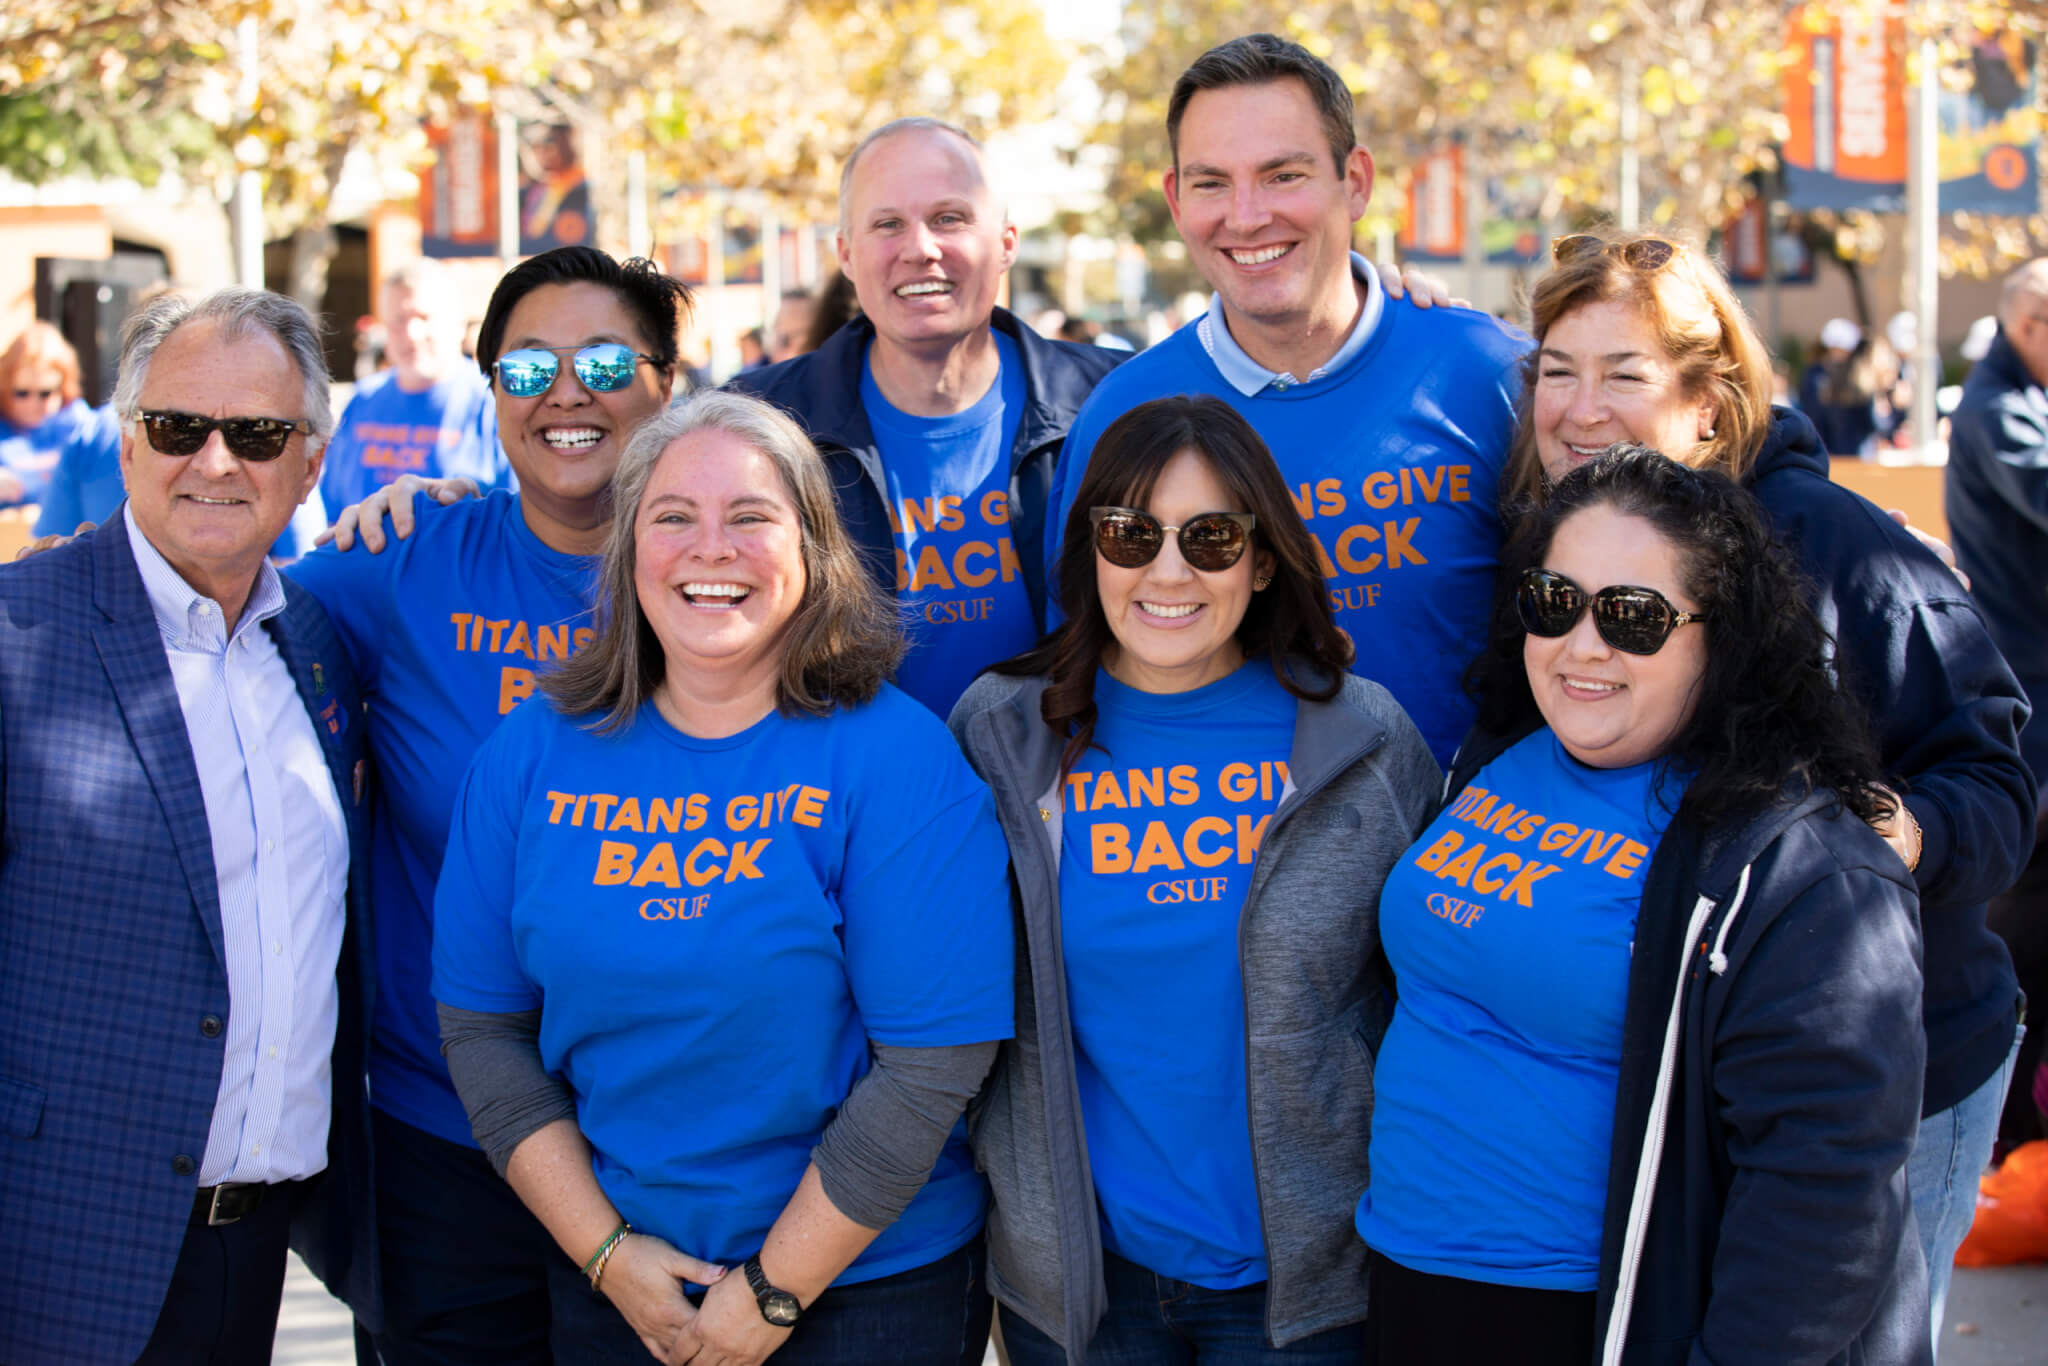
x: 874, y: 1157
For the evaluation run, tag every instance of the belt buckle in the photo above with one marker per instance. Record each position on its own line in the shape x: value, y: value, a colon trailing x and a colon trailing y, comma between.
x: 214, y: 1217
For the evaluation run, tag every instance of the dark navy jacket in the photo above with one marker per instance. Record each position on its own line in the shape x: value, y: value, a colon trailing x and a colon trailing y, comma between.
x: 1947, y: 713
x: 822, y: 391
x: 111, y: 959
x: 1997, y: 489
x: 1775, y: 1224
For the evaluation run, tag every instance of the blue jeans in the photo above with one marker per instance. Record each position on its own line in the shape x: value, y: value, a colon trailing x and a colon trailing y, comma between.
x: 932, y: 1315
x: 1951, y: 1152
x: 1154, y: 1320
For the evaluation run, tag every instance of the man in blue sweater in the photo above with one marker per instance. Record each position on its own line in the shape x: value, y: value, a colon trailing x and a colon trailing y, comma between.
x: 1391, y: 423
x: 1997, y: 494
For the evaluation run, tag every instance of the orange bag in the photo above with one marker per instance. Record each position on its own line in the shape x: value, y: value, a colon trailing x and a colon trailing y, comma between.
x: 2012, y: 1211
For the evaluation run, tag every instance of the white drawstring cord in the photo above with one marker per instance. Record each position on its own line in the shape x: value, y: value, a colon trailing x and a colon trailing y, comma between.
x: 1717, y: 961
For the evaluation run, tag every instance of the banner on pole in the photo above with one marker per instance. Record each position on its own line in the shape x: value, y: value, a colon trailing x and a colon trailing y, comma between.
x: 1433, y: 216
x: 554, y: 191
x: 459, y: 191
x: 1845, y: 99
x: 1988, y: 146
x: 1747, y: 253
x: 1513, y: 231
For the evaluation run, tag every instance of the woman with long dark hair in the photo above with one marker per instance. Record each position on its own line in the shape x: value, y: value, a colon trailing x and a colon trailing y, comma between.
x: 1200, y: 803
x: 1655, y: 1071
x: 1639, y: 338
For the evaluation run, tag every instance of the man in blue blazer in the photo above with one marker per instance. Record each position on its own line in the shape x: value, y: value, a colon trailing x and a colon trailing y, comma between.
x: 183, y: 958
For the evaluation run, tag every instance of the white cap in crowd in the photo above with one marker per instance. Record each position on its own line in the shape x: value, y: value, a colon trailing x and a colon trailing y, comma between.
x: 1840, y: 334
x: 1978, y: 342
x: 1903, y: 332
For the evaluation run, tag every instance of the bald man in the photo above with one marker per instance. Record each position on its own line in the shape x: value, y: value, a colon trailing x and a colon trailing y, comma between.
x: 1997, y: 490
x: 939, y: 413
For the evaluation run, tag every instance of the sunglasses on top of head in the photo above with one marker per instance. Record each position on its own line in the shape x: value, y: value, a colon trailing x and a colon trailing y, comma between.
x: 1645, y: 254
x: 1635, y: 621
x: 247, y: 438
x: 1130, y: 538
x: 603, y: 368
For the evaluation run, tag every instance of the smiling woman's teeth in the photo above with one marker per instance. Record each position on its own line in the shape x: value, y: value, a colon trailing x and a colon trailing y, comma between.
x: 572, y: 438
x: 1161, y: 609
x: 925, y: 287
x: 1589, y: 685
x: 723, y: 594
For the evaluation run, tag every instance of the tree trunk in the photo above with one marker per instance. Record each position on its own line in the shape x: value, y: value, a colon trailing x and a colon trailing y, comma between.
x: 313, y: 248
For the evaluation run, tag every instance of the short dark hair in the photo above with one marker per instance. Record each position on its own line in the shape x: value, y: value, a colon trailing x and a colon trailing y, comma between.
x: 1769, y: 714
x: 1258, y: 59
x: 1289, y: 620
x: 659, y: 305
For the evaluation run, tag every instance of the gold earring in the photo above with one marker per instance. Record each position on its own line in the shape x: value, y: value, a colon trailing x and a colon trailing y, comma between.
x: 1260, y: 582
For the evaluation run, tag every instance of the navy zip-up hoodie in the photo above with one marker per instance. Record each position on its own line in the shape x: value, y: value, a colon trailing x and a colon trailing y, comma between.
x: 1947, y: 712
x: 1769, y: 1093
x: 1996, y: 491
x: 822, y: 392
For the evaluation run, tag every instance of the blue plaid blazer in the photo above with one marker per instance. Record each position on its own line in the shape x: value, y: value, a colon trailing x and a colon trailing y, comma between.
x: 110, y: 956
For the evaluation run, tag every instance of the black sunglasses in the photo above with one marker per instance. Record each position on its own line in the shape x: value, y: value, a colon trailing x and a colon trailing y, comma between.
x: 248, y: 438
x: 1635, y: 621
x: 1645, y: 254
x: 1131, y: 539
x: 603, y: 368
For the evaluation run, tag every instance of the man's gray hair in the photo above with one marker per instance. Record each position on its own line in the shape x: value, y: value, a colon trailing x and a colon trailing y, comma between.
x: 914, y: 123
x: 239, y: 311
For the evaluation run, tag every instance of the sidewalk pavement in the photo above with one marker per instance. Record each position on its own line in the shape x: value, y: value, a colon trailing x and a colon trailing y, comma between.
x: 1996, y: 1317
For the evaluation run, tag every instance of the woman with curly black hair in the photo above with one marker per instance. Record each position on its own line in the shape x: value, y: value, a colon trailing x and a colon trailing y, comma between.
x: 1655, y: 1068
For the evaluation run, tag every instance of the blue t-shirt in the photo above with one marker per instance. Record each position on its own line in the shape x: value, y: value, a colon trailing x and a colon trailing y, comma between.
x: 1509, y: 925
x: 957, y: 575
x: 33, y: 455
x: 1394, y: 459
x: 1158, y: 840
x: 713, y: 930
x: 85, y: 484
x: 448, y: 630
x: 449, y: 428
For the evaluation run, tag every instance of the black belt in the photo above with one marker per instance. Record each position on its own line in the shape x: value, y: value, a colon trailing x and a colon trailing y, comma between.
x: 229, y: 1202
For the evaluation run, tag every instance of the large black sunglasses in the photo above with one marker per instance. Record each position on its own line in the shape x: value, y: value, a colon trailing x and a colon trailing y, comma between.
x: 603, y: 368
x: 1635, y: 621
x: 248, y: 438
x: 1130, y: 538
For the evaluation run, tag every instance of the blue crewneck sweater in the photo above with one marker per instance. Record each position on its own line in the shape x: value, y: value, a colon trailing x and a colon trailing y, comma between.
x: 1394, y: 460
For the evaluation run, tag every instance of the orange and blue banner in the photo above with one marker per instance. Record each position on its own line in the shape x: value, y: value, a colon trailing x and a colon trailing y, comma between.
x: 1845, y: 99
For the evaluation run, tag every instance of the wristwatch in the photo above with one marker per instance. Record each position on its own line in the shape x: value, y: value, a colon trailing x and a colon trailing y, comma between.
x: 779, y: 1307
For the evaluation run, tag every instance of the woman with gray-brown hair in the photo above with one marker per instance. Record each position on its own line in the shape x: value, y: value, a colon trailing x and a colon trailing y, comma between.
x: 722, y: 939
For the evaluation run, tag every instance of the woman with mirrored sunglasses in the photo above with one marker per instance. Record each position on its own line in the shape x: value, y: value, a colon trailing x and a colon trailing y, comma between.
x: 451, y: 630
x: 1639, y: 338
x: 1654, y: 1073
x: 1201, y: 802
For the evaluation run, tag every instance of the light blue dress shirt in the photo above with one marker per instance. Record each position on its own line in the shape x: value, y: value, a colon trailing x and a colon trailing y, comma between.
x: 280, y: 856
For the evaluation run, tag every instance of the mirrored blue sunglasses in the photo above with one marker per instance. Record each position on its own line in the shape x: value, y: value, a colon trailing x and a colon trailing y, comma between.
x: 604, y: 368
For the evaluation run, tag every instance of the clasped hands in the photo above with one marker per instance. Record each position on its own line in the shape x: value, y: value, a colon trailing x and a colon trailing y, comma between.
x: 644, y: 1280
